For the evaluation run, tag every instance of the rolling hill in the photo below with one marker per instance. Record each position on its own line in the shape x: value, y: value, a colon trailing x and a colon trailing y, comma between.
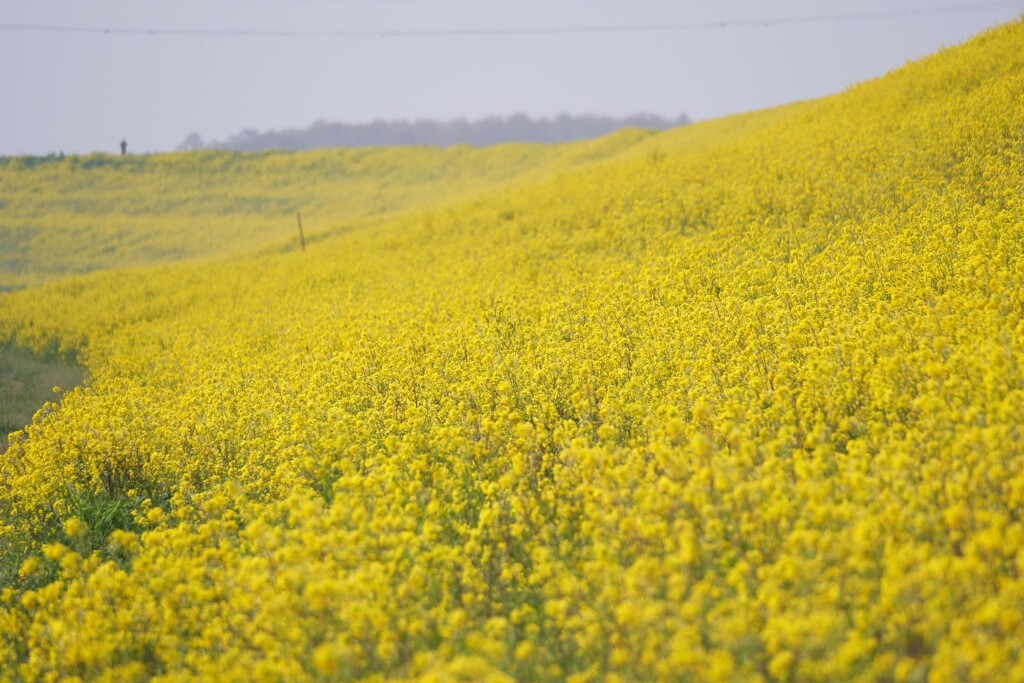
x: 738, y: 401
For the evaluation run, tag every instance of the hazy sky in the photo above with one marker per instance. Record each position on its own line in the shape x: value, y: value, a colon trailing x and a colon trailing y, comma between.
x: 355, y: 60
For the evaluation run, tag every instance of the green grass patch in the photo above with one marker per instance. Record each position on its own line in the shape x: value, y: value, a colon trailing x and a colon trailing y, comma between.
x: 26, y: 383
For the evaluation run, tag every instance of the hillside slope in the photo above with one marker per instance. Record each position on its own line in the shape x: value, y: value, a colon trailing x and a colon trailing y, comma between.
x: 743, y: 402
x: 74, y: 215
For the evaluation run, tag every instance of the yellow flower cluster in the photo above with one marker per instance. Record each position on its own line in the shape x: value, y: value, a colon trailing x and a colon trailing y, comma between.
x: 741, y: 402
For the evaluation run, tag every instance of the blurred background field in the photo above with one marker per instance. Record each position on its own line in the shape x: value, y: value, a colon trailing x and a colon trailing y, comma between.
x: 71, y: 215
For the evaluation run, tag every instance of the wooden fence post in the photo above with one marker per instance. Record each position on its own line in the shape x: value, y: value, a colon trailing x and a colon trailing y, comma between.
x: 302, y: 237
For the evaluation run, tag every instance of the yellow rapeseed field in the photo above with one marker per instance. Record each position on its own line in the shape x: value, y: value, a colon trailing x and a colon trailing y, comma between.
x: 742, y: 401
x: 74, y: 215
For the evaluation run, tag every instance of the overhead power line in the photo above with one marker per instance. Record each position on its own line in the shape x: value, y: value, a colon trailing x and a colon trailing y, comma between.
x: 522, y: 31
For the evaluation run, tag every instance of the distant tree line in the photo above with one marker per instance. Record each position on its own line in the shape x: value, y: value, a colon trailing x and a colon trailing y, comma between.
x: 488, y: 131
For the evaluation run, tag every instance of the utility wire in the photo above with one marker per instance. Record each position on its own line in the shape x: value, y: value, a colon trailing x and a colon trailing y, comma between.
x: 557, y: 30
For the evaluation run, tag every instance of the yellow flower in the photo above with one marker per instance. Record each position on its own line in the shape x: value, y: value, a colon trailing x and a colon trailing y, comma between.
x: 75, y: 528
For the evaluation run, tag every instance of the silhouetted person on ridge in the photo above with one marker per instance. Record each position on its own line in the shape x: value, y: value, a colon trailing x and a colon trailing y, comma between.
x: 124, y: 146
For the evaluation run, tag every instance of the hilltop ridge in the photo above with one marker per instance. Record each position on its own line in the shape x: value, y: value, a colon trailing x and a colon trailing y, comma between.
x: 492, y: 130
